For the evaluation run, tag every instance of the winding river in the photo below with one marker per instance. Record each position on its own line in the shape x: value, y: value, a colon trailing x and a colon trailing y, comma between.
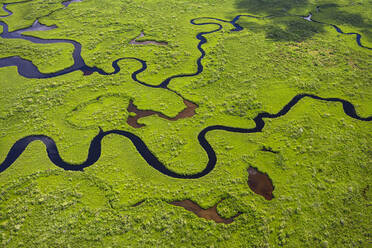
x: 358, y: 36
x: 6, y: 10
x: 95, y: 145
x: 27, y: 69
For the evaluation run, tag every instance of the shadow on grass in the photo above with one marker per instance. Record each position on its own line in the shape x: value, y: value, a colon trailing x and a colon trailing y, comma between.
x: 297, y: 29
x: 279, y: 29
x: 288, y: 29
x: 268, y: 7
x: 332, y: 13
x: 339, y: 16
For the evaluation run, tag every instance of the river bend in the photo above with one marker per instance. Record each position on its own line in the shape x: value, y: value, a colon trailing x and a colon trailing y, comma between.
x: 27, y: 69
x: 95, y: 145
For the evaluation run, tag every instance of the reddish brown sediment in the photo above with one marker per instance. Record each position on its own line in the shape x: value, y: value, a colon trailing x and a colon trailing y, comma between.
x: 260, y: 183
x: 146, y: 42
x: 189, y: 111
x: 208, y: 214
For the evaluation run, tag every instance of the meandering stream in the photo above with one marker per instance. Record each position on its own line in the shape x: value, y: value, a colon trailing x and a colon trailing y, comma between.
x: 27, y: 69
x: 95, y: 145
x: 358, y: 36
x: 6, y: 10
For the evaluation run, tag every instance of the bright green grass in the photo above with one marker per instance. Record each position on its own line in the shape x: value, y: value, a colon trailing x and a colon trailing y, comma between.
x: 320, y: 175
x: 51, y: 57
x: 25, y: 13
x: 3, y: 12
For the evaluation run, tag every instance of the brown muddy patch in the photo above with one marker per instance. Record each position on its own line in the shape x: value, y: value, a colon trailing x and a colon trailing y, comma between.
x: 147, y: 42
x: 260, y: 183
x: 189, y: 111
x: 208, y: 214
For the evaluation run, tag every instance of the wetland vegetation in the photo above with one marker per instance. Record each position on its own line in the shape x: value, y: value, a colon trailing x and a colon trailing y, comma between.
x: 269, y: 111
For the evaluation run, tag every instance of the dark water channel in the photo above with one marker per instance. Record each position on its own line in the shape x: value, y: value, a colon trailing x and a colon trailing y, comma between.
x: 67, y: 3
x: 95, y: 145
x: 27, y: 69
x: 358, y: 36
x: 6, y: 10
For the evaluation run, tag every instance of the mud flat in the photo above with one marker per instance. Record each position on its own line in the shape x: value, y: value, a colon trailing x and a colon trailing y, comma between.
x: 260, y: 183
x: 147, y: 42
x: 208, y: 214
x: 188, y: 112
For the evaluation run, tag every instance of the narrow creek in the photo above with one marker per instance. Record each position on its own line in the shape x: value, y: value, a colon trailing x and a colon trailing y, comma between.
x: 258, y: 182
x: 67, y: 3
x: 6, y: 10
x: 94, y: 152
x: 358, y: 37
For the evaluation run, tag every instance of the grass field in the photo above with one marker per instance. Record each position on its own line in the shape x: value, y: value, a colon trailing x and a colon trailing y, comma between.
x: 322, y: 169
